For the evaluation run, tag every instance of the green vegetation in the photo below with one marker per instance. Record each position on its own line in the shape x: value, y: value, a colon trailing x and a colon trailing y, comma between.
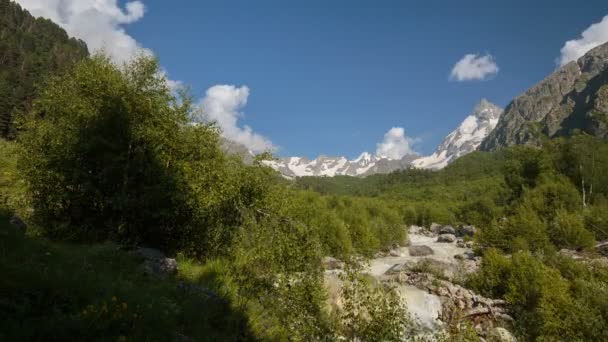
x: 528, y: 203
x: 106, y: 159
x: 30, y: 48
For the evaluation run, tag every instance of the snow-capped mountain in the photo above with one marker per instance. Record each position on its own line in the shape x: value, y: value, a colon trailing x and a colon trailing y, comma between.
x: 365, y: 164
x: 465, y: 139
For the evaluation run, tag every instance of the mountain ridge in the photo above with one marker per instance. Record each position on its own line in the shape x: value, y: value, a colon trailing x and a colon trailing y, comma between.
x: 463, y: 140
x: 572, y: 98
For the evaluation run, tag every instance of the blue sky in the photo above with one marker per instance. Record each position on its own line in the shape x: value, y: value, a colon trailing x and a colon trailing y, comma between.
x: 332, y: 77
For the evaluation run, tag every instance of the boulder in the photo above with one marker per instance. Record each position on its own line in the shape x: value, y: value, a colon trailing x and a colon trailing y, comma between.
x: 447, y: 238
x: 501, y: 335
x: 435, y: 227
x: 420, y: 250
x: 467, y: 230
x: 330, y: 263
x: 447, y: 230
x: 18, y: 224
x: 394, y: 253
x: 156, y: 263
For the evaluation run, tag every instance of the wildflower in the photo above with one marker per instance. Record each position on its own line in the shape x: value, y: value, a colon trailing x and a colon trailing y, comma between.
x: 114, y: 298
x: 122, y: 339
x: 124, y: 306
x: 84, y: 312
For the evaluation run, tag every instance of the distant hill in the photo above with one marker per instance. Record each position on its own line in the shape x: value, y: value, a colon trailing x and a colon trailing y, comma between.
x: 573, y: 98
x: 30, y: 49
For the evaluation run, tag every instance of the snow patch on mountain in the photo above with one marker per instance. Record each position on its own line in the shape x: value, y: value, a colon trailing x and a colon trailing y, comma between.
x: 464, y: 139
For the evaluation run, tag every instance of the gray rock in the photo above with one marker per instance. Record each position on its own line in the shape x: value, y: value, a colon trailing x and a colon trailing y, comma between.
x: 447, y: 238
x: 447, y: 230
x: 467, y: 230
x: 156, y: 263
x: 420, y: 250
x: 435, y: 227
x: 501, y: 335
x: 18, y: 224
x: 330, y: 263
x: 574, y: 97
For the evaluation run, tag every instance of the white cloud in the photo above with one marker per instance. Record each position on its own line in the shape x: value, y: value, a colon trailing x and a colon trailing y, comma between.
x: 474, y: 67
x: 593, y: 36
x: 396, y: 144
x: 100, y: 23
x: 222, y: 104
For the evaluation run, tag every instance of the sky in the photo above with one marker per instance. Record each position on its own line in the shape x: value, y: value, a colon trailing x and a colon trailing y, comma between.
x: 318, y: 77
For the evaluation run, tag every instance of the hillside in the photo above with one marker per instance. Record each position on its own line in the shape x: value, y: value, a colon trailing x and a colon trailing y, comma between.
x: 30, y: 49
x: 573, y: 98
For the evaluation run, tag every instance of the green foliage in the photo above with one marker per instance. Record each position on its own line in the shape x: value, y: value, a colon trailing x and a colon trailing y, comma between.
x: 109, y: 154
x: 372, y: 312
x: 568, y: 231
x: 62, y: 292
x: 30, y: 49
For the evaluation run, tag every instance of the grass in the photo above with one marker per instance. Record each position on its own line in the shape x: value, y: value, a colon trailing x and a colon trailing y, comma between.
x: 60, y: 292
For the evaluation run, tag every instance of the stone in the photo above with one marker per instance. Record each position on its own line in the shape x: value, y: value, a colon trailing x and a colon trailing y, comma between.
x: 156, y: 263
x: 447, y: 230
x: 446, y: 238
x: 467, y: 230
x: 394, y: 253
x: 500, y: 334
x: 18, y: 224
x: 559, y: 104
x: 421, y: 250
x: 435, y: 227
x: 330, y: 263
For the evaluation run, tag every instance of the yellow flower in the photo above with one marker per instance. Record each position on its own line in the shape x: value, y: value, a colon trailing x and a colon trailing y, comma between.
x: 114, y: 298
x: 122, y: 338
x: 124, y: 306
x: 84, y: 312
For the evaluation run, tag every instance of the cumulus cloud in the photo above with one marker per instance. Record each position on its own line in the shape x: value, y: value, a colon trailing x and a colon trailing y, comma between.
x: 474, y: 67
x: 99, y: 23
x: 223, y: 104
x: 395, y: 144
x: 594, y: 35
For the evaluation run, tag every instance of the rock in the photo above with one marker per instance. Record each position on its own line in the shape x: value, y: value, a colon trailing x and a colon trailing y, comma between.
x: 573, y: 97
x: 415, y: 229
x: 18, y: 224
x: 447, y: 238
x: 156, y: 263
x: 461, y: 244
x: 467, y: 230
x: 501, y: 335
x: 447, y: 230
x: 394, y: 253
x: 420, y: 250
x: 330, y: 263
x: 398, y: 268
x: 435, y: 227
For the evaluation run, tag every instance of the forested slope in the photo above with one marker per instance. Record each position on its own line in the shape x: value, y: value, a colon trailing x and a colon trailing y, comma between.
x: 30, y: 49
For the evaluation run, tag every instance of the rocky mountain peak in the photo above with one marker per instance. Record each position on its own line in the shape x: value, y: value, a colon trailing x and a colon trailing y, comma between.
x: 571, y: 98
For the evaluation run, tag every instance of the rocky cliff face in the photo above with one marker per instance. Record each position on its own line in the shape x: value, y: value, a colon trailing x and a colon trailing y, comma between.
x: 575, y: 97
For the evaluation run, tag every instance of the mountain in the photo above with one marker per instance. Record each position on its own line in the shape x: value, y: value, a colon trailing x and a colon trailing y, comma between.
x: 30, y: 49
x: 573, y: 98
x: 464, y: 139
x: 365, y: 164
